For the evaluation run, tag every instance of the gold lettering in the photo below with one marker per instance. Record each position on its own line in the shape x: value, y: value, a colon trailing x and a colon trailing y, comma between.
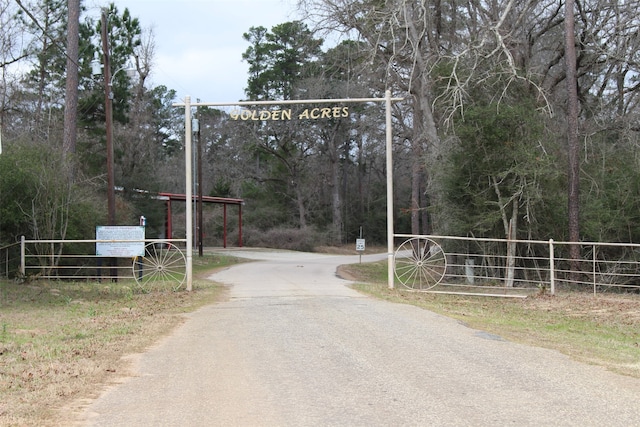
x: 276, y: 115
x: 265, y: 115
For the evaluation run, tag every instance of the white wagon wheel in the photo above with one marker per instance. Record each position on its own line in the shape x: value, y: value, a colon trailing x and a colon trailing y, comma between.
x: 163, y: 266
x: 420, y: 263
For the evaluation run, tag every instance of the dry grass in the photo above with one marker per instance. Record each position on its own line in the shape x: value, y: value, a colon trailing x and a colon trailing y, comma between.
x: 603, y: 329
x: 59, y: 341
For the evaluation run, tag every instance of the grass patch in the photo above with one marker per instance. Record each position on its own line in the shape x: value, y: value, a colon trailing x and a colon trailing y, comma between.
x: 603, y: 329
x: 59, y: 339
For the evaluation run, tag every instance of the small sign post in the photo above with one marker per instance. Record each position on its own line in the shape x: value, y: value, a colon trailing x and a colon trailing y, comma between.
x: 119, y: 241
x: 114, y: 241
x: 360, y: 245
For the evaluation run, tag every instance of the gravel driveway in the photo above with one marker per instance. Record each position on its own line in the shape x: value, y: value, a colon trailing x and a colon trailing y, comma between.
x: 295, y: 346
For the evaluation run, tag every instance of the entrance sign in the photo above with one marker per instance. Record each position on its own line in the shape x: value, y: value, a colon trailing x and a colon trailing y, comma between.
x: 313, y: 113
x: 288, y: 114
x: 119, y: 241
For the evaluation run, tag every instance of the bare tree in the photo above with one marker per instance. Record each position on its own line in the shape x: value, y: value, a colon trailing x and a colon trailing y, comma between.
x: 415, y: 42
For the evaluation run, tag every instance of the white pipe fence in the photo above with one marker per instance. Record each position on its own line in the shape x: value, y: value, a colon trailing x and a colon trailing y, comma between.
x: 71, y: 259
x: 473, y: 265
x: 538, y: 266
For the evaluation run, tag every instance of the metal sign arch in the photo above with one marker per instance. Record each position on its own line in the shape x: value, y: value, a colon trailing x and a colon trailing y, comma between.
x: 187, y: 104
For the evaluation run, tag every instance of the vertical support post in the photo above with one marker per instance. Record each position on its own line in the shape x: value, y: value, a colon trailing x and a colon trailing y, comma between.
x: 389, y: 146
x: 108, y: 103
x: 169, y: 225
x: 240, y: 225
x: 23, y: 262
x: 108, y: 113
x: 552, y: 269
x: 593, y: 268
x: 189, y: 191
x: 224, y: 225
x: 200, y: 201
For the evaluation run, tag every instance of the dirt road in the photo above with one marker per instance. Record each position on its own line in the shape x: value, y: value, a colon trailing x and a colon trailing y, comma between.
x: 295, y: 346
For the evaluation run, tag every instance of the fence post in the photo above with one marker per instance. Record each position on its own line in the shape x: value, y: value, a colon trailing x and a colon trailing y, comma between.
x: 23, y: 263
x: 552, y: 268
x: 593, y: 267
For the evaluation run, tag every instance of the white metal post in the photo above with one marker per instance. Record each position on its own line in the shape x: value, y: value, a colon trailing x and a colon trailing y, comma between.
x: 552, y: 269
x: 188, y: 191
x: 23, y: 262
x: 389, y: 145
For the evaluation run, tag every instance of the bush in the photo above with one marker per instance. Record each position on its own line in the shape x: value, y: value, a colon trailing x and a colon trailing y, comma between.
x: 295, y: 239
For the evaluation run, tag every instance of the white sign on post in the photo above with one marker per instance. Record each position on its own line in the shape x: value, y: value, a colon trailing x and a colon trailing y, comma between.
x: 120, y: 241
x: 360, y: 245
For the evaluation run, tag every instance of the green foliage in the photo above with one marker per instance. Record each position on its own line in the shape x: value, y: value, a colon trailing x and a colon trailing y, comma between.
x: 610, y: 188
x: 221, y: 188
x: 36, y: 199
x: 279, y: 59
x: 16, y: 184
x: 499, y: 151
x: 124, y: 34
x: 46, y: 78
x: 164, y: 117
x: 267, y: 208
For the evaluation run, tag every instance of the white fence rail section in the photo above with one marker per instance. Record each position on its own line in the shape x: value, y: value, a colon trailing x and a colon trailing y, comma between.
x: 160, y: 262
x: 517, y: 267
x: 443, y: 264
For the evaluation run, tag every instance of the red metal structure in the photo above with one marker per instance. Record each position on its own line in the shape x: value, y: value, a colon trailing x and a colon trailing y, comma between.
x: 169, y: 197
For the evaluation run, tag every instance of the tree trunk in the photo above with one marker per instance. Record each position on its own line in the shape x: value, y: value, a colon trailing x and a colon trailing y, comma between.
x: 336, y: 197
x: 71, y: 90
x: 510, y: 230
x: 302, y: 211
x: 511, y: 245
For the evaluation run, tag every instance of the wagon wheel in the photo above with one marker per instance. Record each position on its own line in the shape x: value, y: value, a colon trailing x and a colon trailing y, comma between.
x: 420, y: 263
x: 163, y: 266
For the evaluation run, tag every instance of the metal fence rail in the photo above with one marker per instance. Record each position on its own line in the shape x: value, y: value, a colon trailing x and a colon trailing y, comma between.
x: 465, y: 265
x: 475, y: 265
x: 77, y: 260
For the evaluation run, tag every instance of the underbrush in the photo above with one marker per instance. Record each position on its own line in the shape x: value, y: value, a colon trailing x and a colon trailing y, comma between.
x: 295, y: 239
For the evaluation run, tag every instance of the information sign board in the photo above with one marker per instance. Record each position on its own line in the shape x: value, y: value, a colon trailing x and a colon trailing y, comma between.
x: 119, y: 241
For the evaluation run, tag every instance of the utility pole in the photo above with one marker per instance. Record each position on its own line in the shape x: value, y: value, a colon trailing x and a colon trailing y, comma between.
x: 108, y: 111
x: 199, y: 208
x: 573, y: 145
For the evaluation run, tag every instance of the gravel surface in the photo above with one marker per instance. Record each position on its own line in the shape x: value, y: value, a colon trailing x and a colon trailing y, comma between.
x: 295, y: 346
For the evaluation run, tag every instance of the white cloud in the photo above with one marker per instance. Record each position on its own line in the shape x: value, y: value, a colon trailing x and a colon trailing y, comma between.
x: 199, y: 43
x: 209, y: 74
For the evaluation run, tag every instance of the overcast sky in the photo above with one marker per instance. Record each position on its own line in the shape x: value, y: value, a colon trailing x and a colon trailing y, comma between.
x: 199, y: 43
